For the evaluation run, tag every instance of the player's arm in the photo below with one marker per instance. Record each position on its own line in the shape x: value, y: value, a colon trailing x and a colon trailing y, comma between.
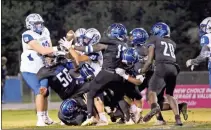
x: 27, y: 38
x: 91, y: 48
x: 77, y: 57
x: 137, y: 81
x: 151, y: 51
x: 202, y: 56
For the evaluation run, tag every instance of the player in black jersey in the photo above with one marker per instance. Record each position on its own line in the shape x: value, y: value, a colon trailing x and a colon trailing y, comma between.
x: 162, y: 49
x: 132, y: 79
x: 65, y: 79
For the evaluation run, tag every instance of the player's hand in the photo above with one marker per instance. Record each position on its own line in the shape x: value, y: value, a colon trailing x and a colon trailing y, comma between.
x: 65, y: 43
x: 188, y: 64
x: 59, y: 53
x: 140, y: 77
x: 120, y: 71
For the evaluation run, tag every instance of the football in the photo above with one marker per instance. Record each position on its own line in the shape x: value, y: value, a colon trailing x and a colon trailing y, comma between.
x: 70, y: 35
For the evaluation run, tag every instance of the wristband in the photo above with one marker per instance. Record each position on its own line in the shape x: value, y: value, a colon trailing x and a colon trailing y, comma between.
x: 125, y: 76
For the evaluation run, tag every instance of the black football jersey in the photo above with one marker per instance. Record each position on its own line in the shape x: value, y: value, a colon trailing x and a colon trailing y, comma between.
x: 164, y: 49
x: 111, y: 56
x: 59, y: 80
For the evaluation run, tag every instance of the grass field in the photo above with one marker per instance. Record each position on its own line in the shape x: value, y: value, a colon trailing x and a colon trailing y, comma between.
x: 22, y: 119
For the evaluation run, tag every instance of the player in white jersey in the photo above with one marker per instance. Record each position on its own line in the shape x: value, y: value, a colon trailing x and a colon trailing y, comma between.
x: 36, y: 42
x: 89, y: 37
x: 92, y: 36
x: 205, y: 41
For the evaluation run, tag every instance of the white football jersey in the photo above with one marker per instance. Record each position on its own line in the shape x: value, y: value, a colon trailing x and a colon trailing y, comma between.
x: 97, y: 65
x: 32, y: 61
x: 206, y: 40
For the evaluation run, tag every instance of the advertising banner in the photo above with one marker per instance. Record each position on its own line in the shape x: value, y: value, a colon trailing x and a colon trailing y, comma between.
x: 197, y: 96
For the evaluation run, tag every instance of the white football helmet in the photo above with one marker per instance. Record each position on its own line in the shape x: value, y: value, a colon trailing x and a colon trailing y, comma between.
x: 79, y: 33
x: 35, y: 22
x: 91, y: 36
x: 205, y: 25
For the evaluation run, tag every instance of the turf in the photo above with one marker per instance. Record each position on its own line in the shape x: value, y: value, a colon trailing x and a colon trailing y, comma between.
x: 22, y: 119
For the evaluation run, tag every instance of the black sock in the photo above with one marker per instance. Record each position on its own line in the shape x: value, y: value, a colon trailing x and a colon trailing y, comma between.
x: 180, y: 106
x: 125, y: 109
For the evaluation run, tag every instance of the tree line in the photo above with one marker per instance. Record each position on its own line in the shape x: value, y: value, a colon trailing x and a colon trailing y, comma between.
x: 183, y: 17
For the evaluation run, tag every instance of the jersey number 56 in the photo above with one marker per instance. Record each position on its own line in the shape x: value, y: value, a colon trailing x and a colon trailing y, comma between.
x: 64, y: 77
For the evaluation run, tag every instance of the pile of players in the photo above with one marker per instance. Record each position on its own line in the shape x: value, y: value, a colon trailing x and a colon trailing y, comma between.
x: 107, y: 72
x: 95, y: 75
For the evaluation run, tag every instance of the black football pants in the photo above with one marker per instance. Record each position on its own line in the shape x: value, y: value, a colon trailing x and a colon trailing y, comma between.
x: 102, y: 81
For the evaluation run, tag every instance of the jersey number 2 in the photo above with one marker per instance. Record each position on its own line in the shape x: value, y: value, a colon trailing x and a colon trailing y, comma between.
x: 170, y: 47
x: 64, y: 78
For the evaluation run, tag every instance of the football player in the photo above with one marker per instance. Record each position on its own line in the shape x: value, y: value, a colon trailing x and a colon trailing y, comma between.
x: 138, y: 37
x: 65, y: 79
x: 205, y: 41
x: 129, y: 57
x: 72, y: 111
x: 161, y: 49
x: 36, y: 42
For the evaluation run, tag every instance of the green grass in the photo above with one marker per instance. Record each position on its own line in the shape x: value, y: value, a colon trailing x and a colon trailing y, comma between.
x: 198, y: 118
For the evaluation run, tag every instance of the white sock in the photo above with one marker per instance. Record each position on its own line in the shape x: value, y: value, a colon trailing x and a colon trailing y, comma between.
x: 133, y: 108
x: 46, y: 113
x: 103, y: 116
x: 40, y: 115
x: 47, y: 116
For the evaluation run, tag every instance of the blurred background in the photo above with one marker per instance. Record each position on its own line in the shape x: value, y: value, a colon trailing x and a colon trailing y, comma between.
x: 183, y: 17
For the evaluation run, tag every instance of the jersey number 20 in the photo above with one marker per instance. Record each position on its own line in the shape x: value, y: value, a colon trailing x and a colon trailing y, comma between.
x: 170, y: 47
x: 64, y: 77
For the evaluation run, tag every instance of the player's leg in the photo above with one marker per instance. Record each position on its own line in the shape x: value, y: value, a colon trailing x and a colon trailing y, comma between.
x: 96, y: 85
x: 111, y: 99
x: 99, y: 104
x: 121, y: 89
x: 170, y: 86
x: 165, y: 106
x: 33, y: 82
x: 44, y: 91
x: 159, y: 116
x: 136, y: 104
x: 156, y: 84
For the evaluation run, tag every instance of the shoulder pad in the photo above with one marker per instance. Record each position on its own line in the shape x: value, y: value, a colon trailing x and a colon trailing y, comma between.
x: 27, y: 37
x: 46, y: 31
x: 151, y: 41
